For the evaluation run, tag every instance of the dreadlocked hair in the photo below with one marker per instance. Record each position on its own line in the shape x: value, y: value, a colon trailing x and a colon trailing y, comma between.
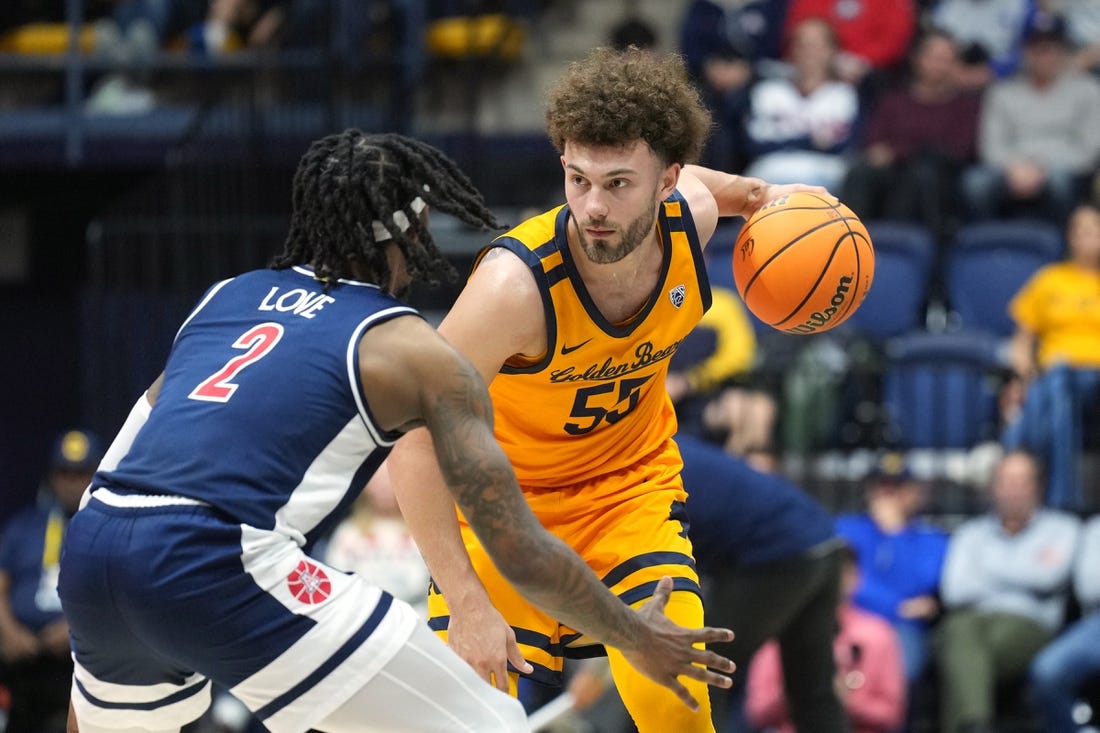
x: 348, y: 181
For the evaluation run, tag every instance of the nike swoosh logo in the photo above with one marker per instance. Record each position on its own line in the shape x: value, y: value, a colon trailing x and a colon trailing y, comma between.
x: 570, y: 349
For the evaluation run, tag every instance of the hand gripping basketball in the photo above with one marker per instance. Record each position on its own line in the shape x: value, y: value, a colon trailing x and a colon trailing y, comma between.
x: 803, y: 263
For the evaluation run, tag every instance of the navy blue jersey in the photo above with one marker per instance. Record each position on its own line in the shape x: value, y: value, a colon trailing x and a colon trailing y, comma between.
x: 262, y: 357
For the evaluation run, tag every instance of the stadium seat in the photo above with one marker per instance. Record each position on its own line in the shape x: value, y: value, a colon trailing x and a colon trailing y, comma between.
x: 903, y: 262
x: 989, y: 262
x: 940, y: 389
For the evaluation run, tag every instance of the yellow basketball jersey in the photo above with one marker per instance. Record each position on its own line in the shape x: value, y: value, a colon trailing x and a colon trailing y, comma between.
x: 595, y: 402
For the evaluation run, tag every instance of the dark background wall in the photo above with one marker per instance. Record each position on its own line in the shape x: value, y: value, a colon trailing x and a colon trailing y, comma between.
x: 116, y: 256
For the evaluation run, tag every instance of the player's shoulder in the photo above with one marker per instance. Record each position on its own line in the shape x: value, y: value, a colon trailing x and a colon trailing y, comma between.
x: 536, y: 230
x: 403, y: 345
x: 690, y: 189
x: 697, y: 202
x: 506, y: 276
x: 499, y: 312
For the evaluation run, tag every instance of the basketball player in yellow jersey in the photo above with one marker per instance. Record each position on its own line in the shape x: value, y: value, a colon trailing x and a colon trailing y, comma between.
x: 572, y: 318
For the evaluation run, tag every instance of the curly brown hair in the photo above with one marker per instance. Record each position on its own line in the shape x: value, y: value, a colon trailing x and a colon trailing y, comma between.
x: 611, y: 98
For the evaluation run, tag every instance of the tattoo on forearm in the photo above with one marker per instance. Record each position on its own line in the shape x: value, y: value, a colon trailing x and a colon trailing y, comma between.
x: 484, y: 486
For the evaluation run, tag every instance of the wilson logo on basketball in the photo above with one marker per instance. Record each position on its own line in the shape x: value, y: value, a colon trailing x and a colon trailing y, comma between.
x: 747, y: 248
x: 308, y: 583
x: 818, y: 319
x: 803, y: 264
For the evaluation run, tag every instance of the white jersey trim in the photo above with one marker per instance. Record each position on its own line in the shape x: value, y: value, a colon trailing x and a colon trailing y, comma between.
x: 302, y: 270
x: 130, y: 693
x: 325, y: 482
x: 193, y: 699
x: 202, y: 304
x: 142, y: 501
x: 269, y: 558
x: 353, y: 369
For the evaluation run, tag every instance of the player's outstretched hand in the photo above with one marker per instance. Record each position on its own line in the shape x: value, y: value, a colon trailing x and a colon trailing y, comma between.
x: 668, y: 652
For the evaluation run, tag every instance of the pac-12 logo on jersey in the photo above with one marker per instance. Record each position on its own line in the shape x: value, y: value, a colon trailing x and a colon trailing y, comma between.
x: 308, y: 583
x: 677, y: 295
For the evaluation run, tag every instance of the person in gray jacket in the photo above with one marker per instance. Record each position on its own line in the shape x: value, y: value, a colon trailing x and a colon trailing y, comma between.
x: 1071, y: 660
x: 1005, y: 585
x: 1035, y: 152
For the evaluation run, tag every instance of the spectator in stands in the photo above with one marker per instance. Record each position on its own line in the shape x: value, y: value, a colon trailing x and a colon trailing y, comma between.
x: 1067, y: 663
x: 1056, y: 354
x: 1004, y: 591
x: 989, y: 32
x: 141, y: 27
x: 869, y: 675
x: 900, y: 556
x: 138, y: 30
x: 34, y: 638
x: 1035, y: 152
x: 1082, y: 27
x: 800, y: 127
x: 633, y: 30
x: 916, y: 142
x: 374, y: 541
x: 773, y: 561
x: 723, y: 43
x: 873, y: 37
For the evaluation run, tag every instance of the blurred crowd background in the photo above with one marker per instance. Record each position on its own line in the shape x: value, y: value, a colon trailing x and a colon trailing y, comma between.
x: 149, y: 152
x: 147, y: 148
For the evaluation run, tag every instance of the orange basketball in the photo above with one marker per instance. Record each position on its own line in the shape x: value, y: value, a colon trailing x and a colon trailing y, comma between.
x: 803, y: 263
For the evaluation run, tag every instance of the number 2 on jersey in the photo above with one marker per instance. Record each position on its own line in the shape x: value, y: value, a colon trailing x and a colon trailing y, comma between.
x: 258, y: 342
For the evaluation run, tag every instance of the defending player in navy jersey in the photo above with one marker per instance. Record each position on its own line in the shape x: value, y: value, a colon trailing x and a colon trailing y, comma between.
x: 283, y: 392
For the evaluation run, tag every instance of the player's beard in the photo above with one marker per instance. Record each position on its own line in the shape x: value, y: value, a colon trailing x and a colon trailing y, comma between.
x: 602, y: 252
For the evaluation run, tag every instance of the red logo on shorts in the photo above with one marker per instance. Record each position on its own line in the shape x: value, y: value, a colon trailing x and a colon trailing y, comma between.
x: 308, y: 583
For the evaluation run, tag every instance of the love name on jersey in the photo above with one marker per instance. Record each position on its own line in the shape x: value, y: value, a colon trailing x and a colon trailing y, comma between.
x: 645, y: 355
x: 300, y: 302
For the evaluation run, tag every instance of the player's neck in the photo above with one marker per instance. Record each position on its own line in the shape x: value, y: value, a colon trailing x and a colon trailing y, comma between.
x: 626, y: 274
x: 620, y: 289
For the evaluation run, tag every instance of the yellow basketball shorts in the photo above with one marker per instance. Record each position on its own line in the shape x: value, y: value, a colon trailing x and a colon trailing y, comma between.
x: 630, y: 526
